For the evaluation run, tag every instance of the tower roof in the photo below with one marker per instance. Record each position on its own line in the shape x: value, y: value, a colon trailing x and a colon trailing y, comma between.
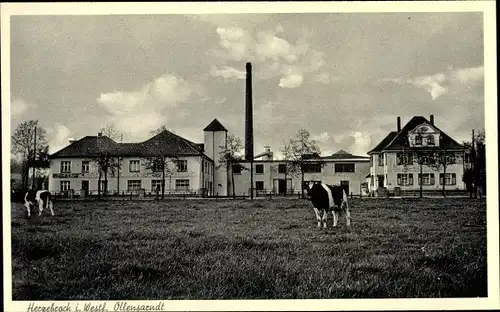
x: 215, y: 125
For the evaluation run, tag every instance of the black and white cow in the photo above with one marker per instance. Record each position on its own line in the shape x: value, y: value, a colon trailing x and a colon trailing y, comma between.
x: 42, y: 198
x: 326, y: 198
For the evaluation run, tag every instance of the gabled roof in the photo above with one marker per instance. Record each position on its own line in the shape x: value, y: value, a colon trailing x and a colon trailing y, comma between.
x: 384, y: 142
x: 344, y: 155
x: 399, y: 141
x: 164, y: 143
x: 215, y: 125
x: 89, y: 146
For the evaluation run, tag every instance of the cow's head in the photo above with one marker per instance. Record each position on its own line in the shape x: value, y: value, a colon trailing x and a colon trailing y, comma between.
x: 308, y: 187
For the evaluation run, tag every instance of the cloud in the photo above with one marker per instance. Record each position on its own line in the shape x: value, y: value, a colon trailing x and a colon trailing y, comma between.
x: 58, y: 136
x: 129, y: 109
x: 273, y: 55
x: 322, y: 137
x: 18, y: 107
x: 227, y: 72
x: 291, y: 81
x: 441, y: 83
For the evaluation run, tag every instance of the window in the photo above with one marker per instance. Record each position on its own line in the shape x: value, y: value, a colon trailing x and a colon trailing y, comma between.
x: 259, y: 169
x: 418, y: 139
x: 259, y: 185
x: 405, y: 178
x: 451, y: 179
x: 427, y: 179
x: 430, y: 140
x: 133, y: 185
x: 65, y: 166
x: 312, y: 168
x: 282, y: 168
x: 380, y: 159
x: 65, y: 185
x: 404, y: 159
x: 344, y: 167
x: 155, y: 184
x: 182, y: 165
x: 85, y: 166
x: 158, y: 165
x: 181, y: 185
x: 133, y: 166
x: 236, y: 169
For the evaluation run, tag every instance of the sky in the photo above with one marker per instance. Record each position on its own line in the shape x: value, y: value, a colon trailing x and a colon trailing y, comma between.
x: 344, y: 77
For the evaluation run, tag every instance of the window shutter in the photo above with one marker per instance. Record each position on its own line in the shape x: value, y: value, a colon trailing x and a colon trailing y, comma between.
x: 399, y: 178
x: 432, y: 179
x: 453, y: 179
x: 398, y: 160
x: 441, y: 178
x: 419, y: 179
x: 410, y: 178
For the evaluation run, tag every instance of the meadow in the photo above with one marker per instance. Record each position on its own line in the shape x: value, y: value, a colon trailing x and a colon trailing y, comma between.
x: 242, y: 249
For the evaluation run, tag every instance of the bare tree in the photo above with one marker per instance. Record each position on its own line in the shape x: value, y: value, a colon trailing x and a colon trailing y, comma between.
x: 111, y: 132
x: 160, y: 130
x: 301, y: 147
x: 230, y: 159
x: 28, y: 146
x: 160, y: 166
x: 441, y: 160
x: 290, y: 169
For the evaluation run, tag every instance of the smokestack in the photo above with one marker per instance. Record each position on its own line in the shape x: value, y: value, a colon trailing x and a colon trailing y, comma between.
x: 249, y: 115
x: 399, y: 124
x: 432, y: 120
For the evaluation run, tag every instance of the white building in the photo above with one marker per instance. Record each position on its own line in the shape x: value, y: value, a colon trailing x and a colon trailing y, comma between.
x: 75, y: 167
x: 393, y: 165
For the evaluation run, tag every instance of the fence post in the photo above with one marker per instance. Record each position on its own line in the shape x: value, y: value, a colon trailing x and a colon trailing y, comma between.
x: 270, y: 195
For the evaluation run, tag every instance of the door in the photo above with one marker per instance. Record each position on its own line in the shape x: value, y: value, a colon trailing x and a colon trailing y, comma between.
x: 85, y: 187
x: 380, y: 181
x: 345, y: 186
x: 281, y: 186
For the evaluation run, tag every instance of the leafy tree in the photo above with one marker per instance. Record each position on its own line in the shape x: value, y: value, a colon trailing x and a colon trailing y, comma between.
x: 299, y: 152
x: 24, y: 143
x: 160, y: 166
x: 111, y: 132
x: 290, y: 168
x: 230, y: 159
x: 441, y: 160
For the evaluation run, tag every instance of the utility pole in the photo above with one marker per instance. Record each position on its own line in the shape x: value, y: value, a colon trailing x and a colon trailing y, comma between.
x: 34, y: 159
x: 473, y: 166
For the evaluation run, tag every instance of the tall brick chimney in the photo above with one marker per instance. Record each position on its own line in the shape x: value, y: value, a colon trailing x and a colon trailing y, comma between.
x: 432, y: 120
x: 399, y: 124
x: 248, y: 115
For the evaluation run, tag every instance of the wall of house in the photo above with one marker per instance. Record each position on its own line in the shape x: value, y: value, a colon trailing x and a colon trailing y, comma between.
x: 214, y: 143
x: 328, y: 175
x: 119, y: 183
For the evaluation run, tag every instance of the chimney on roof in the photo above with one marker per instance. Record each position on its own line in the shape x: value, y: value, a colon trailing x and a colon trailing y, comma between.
x: 99, y: 134
x: 432, y: 120
x: 71, y: 140
x: 399, y: 124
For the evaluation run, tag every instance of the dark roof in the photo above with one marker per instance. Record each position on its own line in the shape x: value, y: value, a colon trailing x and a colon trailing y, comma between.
x: 215, y: 125
x: 384, y: 142
x: 343, y: 155
x: 165, y: 143
x: 88, y: 146
x: 400, y: 140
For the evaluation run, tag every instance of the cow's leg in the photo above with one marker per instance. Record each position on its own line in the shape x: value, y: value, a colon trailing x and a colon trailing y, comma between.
x: 51, y: 206
x: 335, y: 217
x: 40, y: 207
x: 325, y: 216
x: 347, y: 214
x: 317, y: 216
x: 27, y: 205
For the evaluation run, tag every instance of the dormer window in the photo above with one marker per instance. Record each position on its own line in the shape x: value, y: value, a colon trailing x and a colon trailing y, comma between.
x: 430, y: 140
x: 418, y: 139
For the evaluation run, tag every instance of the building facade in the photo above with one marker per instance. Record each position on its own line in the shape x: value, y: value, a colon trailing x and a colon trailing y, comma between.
x: 417, y: 153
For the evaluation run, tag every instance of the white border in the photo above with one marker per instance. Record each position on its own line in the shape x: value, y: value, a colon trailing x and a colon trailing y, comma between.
x: 489, y: 14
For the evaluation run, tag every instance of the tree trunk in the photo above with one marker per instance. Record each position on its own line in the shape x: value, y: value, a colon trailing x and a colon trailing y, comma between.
x: 444, y: 181
x: 285, y: 181
x: 302, y: 181
x: 163, y: 182
x: 105, y: 191
x: 232, y: 182
x: 421, y: 180
x: 99, y: 184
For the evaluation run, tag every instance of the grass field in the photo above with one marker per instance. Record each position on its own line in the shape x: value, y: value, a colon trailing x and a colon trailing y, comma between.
x: 194, y: 249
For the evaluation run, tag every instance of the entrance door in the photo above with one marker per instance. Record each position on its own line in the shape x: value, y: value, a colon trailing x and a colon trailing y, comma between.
x: 281, y: 186
x: 380, y: 181
x: 345, y: 186
x: 85, y: 187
